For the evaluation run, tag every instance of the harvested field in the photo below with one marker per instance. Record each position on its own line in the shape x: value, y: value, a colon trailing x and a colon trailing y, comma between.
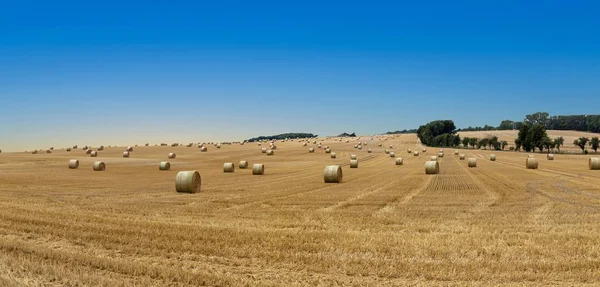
x: 384, y: 225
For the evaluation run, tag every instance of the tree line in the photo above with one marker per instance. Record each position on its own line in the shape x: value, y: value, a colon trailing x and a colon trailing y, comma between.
x: 283, y: 136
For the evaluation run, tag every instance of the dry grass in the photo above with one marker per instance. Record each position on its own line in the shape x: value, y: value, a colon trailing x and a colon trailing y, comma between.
x: 385, y: 225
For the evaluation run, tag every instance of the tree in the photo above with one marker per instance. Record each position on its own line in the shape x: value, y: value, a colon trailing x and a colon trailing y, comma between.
x: 494, y: 143
x: 595, y: 143
x: 503, y: 144
x: 465, y: 142
x: 472, y: 142
x: 537, y: 135
x: 558, y: 142
x: 524, y: 142
x: 539, y: 118
x: 438, y: 133
x: 581, y: 143
x: 517, y: 144
x: 483, y: 142
x: 506, y: 125
x: 547, y: 143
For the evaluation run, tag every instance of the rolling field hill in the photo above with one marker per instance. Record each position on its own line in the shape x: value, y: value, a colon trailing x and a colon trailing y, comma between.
x: 384, y: 225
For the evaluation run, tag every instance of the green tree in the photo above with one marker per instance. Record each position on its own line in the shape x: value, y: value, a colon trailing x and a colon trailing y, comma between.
x: 517, y: 144
x: 547, y: 143
x: 483, y: 142
x: 537, y: 135
x: 539, y: 118
x: 472, y: 142
x: 581, y: 143
x: 595, y: 143
x: 503, y: 144
x: 506, y: 125
x: 465, y: 142
x: 524, y: 142
x: 440, y: 133
x: 558, y: 142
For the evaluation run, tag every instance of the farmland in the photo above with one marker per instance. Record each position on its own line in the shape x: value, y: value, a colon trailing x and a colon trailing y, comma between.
x: 384, y: 225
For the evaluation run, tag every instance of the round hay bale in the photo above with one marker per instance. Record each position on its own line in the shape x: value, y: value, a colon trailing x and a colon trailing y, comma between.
x: 416, y: 153
x: 270, y: 152
x: 304, y: 144
x: 311, y: 150
x: 472, y: 162
x: 333, y: 174
x: 34, y: 152
x: 129, y: 149
x: 392, y: 154
x: 228, y: 167
x: 594, y: 163
x: 68, y: 149
x: 352, y: 156
x: 359, y: 147
x: 440, y: 154
x: 379, y: 144
x: 369, y: 151
x: 218, y: 145
x: 258, y: 169
x: 492, y: 157
x: 550, y: 156
x: 531, y: 163
x: 75, y: 147
x: 147, y: 144
x: 332, y: 155
x: 409, y: 150
x: 399, y: 161
x: 203, y: 149
x: 319, y: 146
x: 387, y: 151
x: 243, y: 164
x: 455, y: 152
x: 462, y: 156
x: 432, y: 167
x: 88, y: 151
x: 164, y: 165
x: 94, y: 154
x: 125, y: 154
x: 73, y: 164
x: 172, y: 155
x: 354, y: 163
x: 263, y: 150
x: 101, y: 148
x: 355, y: 146
x: 327, y: 150
x: 424, y: 150
x: 273, y: 147
x: 188, y: 181
x: 433, y: 158
x: 391, y: 146
x: 99, y: 166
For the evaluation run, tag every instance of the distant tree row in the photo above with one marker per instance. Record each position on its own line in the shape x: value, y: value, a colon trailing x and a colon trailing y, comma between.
x: 283, y: 136
x: 491, y: 142
x: 405, y: 131
x: 584, y: 123
x: 581, y: 142
x: 343, y: 135
x: 439, y: 133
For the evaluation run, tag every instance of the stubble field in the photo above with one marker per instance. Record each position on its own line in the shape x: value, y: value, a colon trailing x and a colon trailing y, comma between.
x: 385, y: 225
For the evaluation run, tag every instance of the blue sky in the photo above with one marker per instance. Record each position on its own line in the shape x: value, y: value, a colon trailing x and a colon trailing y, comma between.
x: 162, y: 71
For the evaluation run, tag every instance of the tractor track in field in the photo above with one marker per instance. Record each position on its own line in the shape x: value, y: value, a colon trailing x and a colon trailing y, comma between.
x: 295, y: 192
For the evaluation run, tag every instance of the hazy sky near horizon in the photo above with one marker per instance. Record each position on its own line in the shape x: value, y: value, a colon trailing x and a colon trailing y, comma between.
x: 125, y: 72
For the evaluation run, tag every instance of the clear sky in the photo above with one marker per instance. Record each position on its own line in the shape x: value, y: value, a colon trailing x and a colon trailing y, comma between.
x: 125, y: 72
